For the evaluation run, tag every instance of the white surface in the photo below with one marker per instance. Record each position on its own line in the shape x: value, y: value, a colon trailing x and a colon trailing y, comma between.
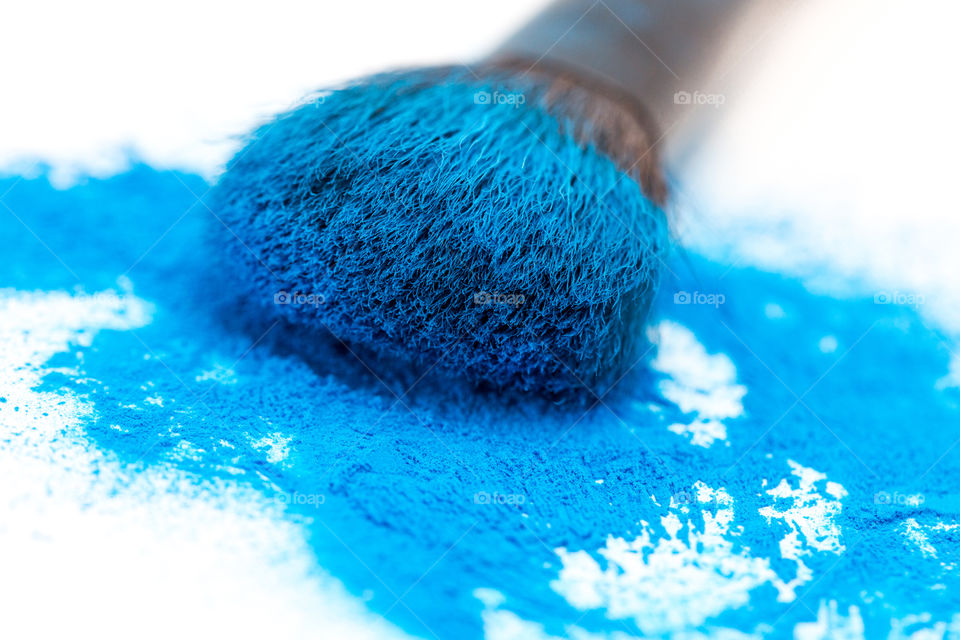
x: 701, y: 384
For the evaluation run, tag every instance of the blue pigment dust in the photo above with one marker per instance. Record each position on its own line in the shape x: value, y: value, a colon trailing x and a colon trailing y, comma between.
x: 440, y: 224
x: 405, y: 482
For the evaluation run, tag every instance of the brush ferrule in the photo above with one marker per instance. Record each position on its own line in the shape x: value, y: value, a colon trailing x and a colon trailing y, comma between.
x: 660, y: 52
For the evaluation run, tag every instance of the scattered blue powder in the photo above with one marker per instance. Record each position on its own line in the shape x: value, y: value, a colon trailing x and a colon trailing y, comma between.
x: 400, y: 480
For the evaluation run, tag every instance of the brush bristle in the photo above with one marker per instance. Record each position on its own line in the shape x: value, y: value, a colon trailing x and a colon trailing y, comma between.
x: 448, y: 221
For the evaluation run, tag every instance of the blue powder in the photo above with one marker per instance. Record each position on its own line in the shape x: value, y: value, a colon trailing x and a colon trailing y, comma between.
x: 424, y: 223
x: 399, y: 483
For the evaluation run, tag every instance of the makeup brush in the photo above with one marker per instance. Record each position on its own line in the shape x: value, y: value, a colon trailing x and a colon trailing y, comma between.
x: 504, y: 221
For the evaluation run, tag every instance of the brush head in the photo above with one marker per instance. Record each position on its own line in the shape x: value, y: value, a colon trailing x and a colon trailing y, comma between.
x: 438, y: 218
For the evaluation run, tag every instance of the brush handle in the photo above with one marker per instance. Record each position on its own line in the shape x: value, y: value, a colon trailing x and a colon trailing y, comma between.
x: 660, y: 52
